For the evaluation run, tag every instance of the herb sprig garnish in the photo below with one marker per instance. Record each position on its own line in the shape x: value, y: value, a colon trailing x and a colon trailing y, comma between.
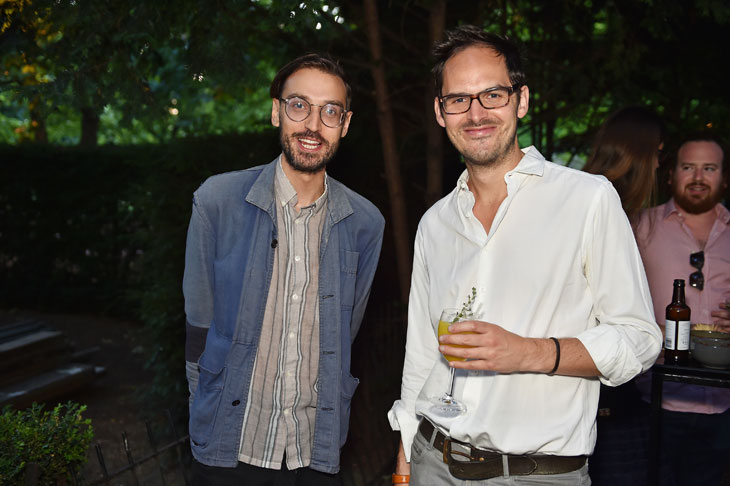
x: 466, y: 312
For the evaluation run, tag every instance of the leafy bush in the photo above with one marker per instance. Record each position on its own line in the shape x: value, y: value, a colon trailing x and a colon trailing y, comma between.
x: 57, y: 441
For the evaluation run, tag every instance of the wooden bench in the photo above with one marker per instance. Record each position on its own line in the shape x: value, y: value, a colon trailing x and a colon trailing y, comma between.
x: 37, y: 363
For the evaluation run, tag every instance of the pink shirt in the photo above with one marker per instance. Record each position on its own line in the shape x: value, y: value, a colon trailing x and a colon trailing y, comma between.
x: 665, y: 243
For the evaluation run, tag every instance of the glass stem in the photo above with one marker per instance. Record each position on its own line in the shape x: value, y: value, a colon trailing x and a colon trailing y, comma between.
x: 449, y: 397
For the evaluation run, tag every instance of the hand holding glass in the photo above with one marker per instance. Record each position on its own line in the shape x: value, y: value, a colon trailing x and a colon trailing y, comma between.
x: 447, y: 405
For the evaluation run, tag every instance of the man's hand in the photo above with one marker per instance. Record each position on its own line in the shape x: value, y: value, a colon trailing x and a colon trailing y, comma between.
x: 722, y: 316
x: 496, y: 349
x: 401, y: 466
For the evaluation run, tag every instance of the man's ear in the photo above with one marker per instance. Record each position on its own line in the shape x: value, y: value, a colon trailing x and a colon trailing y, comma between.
x: 524, y: 98
x: 275, y: 112
x: 437, y: 110
x: 346, y: 124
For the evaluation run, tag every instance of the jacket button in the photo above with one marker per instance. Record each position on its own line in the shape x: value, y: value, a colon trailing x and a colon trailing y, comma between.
x: 274, y: 243
x: 236, y: 403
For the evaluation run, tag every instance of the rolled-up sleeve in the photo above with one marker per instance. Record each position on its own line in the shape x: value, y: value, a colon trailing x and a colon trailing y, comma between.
x: 626, y: 340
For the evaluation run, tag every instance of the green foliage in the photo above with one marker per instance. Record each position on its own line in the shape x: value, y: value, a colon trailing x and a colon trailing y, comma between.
x: 152, y: 72
x: 57, y: 441
x: 135, y: 63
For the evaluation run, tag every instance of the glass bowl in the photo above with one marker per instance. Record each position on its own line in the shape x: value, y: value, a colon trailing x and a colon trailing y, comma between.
x: 711, y: 348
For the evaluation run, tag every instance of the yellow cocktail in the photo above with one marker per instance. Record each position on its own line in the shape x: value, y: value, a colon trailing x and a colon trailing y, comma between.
x: 444, y: 329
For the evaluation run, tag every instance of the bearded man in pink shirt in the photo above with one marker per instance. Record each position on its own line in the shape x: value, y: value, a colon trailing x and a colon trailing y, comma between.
x: 689, y: 238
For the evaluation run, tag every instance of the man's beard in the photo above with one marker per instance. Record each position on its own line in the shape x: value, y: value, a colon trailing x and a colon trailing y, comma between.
x: 492, y: 156
x: 694, y: 205
x: 306, y: 162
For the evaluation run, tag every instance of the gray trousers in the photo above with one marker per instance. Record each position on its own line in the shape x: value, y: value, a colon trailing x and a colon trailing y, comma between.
x: 428, y: 469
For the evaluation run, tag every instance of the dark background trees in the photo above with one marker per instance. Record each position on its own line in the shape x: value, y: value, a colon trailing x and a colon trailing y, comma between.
x: 114, y: 111
x: 116, y: 71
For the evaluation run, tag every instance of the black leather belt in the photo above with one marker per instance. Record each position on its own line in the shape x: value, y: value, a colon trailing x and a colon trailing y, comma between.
x: 481, y: 464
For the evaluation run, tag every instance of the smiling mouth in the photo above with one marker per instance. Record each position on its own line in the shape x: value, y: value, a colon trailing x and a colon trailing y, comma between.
x: 309, y: 143
x: 476, y: 131
x: 697, y: 188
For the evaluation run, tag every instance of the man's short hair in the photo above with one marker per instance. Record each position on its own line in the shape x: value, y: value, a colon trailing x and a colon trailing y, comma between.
x: 702, y: 136
x: 467, y: 36
x: 321, y: 62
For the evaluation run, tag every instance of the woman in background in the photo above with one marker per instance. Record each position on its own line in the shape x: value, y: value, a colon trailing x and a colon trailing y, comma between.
x: 626, y: 151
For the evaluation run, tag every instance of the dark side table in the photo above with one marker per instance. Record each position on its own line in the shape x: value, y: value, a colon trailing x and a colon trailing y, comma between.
x: 694, y: 374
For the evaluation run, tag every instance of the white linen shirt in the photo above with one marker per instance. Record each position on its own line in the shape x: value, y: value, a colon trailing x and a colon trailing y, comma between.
x: 559, y: 260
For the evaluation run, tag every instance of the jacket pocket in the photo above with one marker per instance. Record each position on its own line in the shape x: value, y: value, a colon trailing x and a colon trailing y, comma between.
x: 207, y: 400
x: 349, y: 385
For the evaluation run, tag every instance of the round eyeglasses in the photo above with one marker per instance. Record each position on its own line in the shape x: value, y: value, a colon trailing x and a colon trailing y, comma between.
x: 490, y: 99
x: 298, y: 109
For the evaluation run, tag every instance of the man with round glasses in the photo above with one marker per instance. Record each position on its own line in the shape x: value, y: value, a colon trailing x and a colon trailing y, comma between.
x: 560, y: 293
x: 689, y: 238
x: 278, y: 267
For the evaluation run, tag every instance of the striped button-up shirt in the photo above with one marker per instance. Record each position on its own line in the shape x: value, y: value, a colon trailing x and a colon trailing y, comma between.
x: 282, y: 400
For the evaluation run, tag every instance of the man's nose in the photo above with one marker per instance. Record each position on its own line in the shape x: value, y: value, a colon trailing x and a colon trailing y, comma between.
x: 476, y: 111
x: 313, y: 121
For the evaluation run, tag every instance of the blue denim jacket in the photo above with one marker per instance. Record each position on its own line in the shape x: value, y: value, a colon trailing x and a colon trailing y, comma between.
x: 228, y: 266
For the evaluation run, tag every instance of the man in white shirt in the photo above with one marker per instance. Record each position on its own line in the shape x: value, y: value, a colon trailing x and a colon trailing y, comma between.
x: 561, y: 294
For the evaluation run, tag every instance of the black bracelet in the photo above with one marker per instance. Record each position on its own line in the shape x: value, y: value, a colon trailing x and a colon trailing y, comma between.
x: 557, y: 356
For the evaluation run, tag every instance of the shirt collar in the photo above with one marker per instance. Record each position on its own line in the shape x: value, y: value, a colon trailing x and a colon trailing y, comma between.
x: 721, y: 212
x: 670, y: 208
x: 285, y: 193
x: 531, y: 163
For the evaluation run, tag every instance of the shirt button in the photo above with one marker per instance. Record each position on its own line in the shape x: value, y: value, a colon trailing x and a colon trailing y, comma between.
x: 294, y: 297
x: 274, y: 243
x: 236, y: 403
x: 297, y: 258
x: 292, y: 335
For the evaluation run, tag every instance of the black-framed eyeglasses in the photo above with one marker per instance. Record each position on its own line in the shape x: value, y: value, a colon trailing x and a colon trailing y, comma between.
x: 697, y: 279
x: 490, y: 99
x: 298, y: 109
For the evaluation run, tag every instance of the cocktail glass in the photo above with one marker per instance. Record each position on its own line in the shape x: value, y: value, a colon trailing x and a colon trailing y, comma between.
x: 446, y: 405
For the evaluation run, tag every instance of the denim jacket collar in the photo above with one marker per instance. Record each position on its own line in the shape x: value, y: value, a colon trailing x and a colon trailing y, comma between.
x: 262, y: 195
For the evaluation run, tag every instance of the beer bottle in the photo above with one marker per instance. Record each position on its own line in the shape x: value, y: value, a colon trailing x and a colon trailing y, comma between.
x: 676, y: 332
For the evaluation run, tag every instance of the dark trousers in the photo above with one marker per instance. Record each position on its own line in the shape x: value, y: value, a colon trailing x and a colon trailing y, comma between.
x: 695, y: 447
x: 621, y: 454
x: 248, y: 475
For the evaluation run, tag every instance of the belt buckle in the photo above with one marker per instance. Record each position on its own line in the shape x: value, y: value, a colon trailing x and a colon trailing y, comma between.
x: 474, y: 468
x: 446, y: 450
